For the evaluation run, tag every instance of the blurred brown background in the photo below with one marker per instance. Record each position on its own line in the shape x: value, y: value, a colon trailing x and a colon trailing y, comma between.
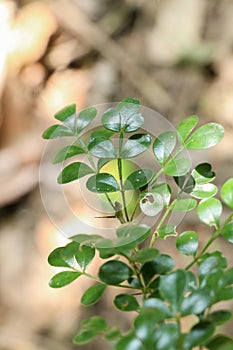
x: 175, y: 55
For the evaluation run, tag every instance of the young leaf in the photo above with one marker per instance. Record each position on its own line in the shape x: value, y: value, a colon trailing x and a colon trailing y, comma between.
x: 220, y: 342
x: 102, y: 148
x: 209, y: 211
x: 185, y: 127
x: 151, y: 204
x: 66, y: 113
x: 93, y: 294
x: 67, y: 152
x: 206, y: 136
x: 172, y: 288
x: 227, y: 232
x: 138, y: 179
x: 199, y: 334
x: 74, y: 171
x: 126, y: 302
x: 196, y: 302
x: 114, y: 272
x: 167, y: 231
x: 56, y: 131
x: 177, y: 167
x: 227, y: 193
x: 63, y: 278
x: 203, y: 173
x: 84, y: 256
x: 187, y: 243
x: 186, y: 204
x: 145, y: 254
x: 102, y: 183
x: 85, y: 117
x: 135, y: 145
x: 164, y: 145
x: 204, y: 191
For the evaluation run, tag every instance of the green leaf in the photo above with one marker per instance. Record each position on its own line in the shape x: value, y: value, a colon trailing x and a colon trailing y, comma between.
x: 93, y: 294
x: 66, y: 113
x: 199, y: 334
x: 55, y: 258
x: 102, y: 162
x: 164, y: 145
x: 138, y: 179
x: 220, y: 342
x: 74, y: 171
x: 114, y: 272
x: 164, y: 190
x: 219, y: 317
x: 185, y: 127
x: 95, y: 323
x: 227, y: 193
x: 85, y: 117
x: 145, y: 323
x: 129, y: 342
x: 187, y: 243
x: 113, y: 334
x: 67, y: 152
x: 68, y: 253
x: 196, y: 302
x: 167, y: 337
x: 206, y: 136
x: 203, y: 173
x: 111, y: 120
x: 135, y: 145
x: 100, y: 133
x: 227, y: 232
x: 185, y: 183
x: 158, y: 305
x: 102, y: 148
x: 63, y: 278
x: 161, y: 265
x: 204, y: 191
x: 102, y: 183
x: 56, y: 131
x: 209, y: 263
x: 209, y: 211
x: 177, y: 167
x: 145, y: 254
x: 172, y: 288
x: 63, y: 256
x: 185, y: 204
x: 84, y: 256
x: 126, y: 302
x: 151, y: 204
x: 167, y: 231
x: 84, y: 337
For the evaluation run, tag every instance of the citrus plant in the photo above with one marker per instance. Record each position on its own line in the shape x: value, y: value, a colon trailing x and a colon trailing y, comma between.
x: 158, y: 294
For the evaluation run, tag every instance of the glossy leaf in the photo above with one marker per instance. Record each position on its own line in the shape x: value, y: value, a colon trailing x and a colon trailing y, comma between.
x: 102, y: 183
x: 56, y: 131
x: 129, y: 342
x: 204, y: 191
x: 167, y: 231
x: 151, y: 204
x: 199, y: 334
x: 172, y: 288
x: 135, y: 145
x: 111, y: 120
x: 93, y: 294
x: 145, y: 323
x: 84, y: 256
x: 67, y: 152
x: 85, y: 117
x: 177, y: 167
x: 85, y: 336
x: 167, y: 337
x: 138, y: 179
x: 161, y: 265
x: 145, y: 254
x: 227, y: 193
x: 55, y: 258
x: 206, y: 136
x: 185, y: 127
x: 227, y: 232
x: 164, y: 145
x: 203, y: 173
x: 164, y: 190
x: 66, y: 113
x: 185, y: 204
x: 102, y: 148
x: 219, y: 317
x: 126, y: 302
x: 63, y: 278
x: 220, y: 342
x: 195, y: 303
x: 158, y: 305
x: 100, y: 133
x: 114, y: 272
x: 131, y: 120
x: 74, y: 171
x: 187, y: 243
x: 64, y: 256
x: 209, y: 211
x: 185, y: 183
